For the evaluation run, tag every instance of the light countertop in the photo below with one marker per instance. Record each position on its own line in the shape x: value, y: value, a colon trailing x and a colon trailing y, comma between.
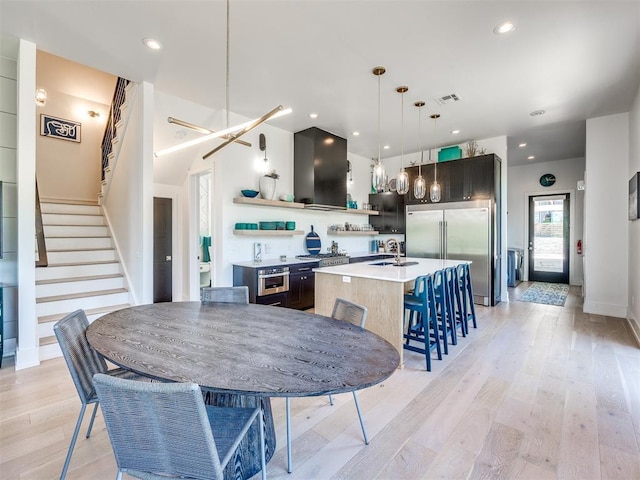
x: 390, y: 273
x: 275, y: 262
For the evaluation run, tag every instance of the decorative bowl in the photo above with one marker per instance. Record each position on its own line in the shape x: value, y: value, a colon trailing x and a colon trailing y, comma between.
x: 250, y: 193
x: 268, y: 225
x: 287, y: 197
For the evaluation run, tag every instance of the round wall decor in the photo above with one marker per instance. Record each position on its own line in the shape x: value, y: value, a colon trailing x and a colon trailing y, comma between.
x: 547, y: 179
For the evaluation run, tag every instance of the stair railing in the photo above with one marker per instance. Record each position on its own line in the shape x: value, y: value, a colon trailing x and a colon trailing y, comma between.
x: 114, y: 117
x: 41, y: 252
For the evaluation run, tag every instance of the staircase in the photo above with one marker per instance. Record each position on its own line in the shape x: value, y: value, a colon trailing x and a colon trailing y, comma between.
x: 83, y: 272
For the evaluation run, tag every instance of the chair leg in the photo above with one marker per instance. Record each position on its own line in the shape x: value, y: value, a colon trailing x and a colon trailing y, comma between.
x: 288, y: 415
x: 364, y: 432
x: 330, y: 399
x: 93, y: 417
x: 67, y: 460
x: 263, y: 461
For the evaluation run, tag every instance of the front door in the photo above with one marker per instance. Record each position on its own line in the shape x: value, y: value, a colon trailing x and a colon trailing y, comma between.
x: 549, y: 238
x: 162, y: 272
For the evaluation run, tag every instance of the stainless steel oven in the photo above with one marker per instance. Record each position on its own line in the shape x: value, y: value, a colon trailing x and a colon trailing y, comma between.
x: 273, y: 280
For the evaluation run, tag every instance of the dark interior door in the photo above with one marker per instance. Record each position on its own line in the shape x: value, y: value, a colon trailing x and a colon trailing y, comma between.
x: 549, y: 238
x: 162, y: 260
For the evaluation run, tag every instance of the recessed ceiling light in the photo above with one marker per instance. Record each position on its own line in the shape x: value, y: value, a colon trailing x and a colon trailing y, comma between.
x: 535, y: 113
x: 152, y: 43
x: 313, y: 115
x: 522, y: 145
x: 355, y: 134
x: 455, y: 132
x: 386, y: 147
x: 531, y: 157
x: 504, y: 27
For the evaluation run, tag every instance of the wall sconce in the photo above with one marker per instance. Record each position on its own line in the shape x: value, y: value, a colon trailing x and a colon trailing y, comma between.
x: 262, y: 142
x: 41, y: 97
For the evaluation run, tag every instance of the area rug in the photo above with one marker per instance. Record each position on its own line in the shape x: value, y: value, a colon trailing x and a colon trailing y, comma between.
x: 546, y: 293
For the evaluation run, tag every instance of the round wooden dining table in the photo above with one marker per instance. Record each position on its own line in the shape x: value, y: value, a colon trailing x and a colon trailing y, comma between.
x: 241, y: 354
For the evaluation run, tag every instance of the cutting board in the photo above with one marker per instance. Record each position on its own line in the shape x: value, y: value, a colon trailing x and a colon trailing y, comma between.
x: 312, y: 242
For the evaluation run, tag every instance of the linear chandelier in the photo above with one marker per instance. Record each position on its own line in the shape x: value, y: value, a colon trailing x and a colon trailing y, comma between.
x: 230, y: 134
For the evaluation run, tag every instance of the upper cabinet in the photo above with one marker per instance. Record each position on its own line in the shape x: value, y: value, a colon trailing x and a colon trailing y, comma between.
x: 460, y: 180
x: 390, y: 207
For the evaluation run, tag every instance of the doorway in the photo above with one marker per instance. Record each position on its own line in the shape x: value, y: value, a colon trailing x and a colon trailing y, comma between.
x: 162, y: 250
x: 549, y: 238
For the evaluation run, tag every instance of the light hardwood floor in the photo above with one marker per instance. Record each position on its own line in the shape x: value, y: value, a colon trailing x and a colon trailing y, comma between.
x: 536, y: 392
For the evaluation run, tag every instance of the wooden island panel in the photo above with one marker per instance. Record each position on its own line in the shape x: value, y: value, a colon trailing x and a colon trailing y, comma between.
x: 384, y: 301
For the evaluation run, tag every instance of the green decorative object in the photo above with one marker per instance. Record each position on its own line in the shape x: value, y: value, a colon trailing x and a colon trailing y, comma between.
x: 547, y: 179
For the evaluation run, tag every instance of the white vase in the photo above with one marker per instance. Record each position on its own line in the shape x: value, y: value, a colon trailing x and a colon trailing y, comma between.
x: 267, y: 187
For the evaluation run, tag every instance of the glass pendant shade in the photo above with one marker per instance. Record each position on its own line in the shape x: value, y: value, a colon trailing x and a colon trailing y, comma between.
x: 434, y: 192
x: 419, y: 187
x: 378, y: 176
x: 419, y: 184
x: 402, y: 182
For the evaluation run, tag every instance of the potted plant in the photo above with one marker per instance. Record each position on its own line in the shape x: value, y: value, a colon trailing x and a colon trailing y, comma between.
x: 268, y: 185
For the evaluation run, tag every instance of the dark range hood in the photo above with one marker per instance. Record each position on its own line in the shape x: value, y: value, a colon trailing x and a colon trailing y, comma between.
x: 320, y: 169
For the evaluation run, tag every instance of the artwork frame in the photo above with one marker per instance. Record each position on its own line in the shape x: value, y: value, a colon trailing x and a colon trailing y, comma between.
x: 634, y: 197
x: 60, y: 128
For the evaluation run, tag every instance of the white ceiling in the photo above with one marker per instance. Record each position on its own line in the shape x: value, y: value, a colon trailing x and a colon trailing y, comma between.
x: 575, y: 60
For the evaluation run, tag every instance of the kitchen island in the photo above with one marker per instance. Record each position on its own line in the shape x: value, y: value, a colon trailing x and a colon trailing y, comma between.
x: 378, y: 285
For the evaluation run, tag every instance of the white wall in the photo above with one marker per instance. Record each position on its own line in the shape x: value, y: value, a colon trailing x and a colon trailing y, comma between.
x: 606, y: 227
x: 70, y: 170
x: 128, y: 204
x: 524, y: 182
x: 633, y: 311
x: 9, y: 211
x: 27, y: 349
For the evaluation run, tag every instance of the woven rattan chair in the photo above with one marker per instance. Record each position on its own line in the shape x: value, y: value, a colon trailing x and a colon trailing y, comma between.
x: 83, y: 362
x: 225, y: 294
x: 356, y: 315
x: 164, y: 430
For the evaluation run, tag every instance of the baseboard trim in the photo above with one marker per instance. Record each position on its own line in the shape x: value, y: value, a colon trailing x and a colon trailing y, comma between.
x: 634, y: 326
x: 27, y: 357
x: 609, y: 310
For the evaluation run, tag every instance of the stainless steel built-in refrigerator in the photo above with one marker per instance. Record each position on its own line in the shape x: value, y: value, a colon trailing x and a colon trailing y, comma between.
x: 459, y: 231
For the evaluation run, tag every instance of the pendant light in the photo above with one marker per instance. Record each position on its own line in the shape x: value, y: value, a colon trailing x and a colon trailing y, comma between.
x: 378, y: 170
x: 434, y: 190
x: 402, y: 179
x: 419, y: 185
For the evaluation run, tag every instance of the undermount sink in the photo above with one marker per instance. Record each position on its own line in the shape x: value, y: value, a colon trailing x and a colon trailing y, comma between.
x: 405, y: 264
x: 382, y: 263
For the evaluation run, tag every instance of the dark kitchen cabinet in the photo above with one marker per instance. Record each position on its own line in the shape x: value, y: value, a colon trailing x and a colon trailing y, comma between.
x: 390, y: 207
x: 301, y: 286
x: 460, y: 180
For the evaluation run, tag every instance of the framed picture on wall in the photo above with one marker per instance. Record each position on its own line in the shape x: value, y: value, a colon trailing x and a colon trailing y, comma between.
x: 59, y: 128
x: 634, y: 197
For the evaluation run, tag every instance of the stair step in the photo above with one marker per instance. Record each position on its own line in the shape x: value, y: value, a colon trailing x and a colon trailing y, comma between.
x: 91, y: 313
x: 70, y: 296
x: 70, y: 209
x: 72, y: 219
x: 74, y: 257
x: 75, y: 231
x: 82, y: 270
x: 78, y: 243
x: 86, y: 300
x: 51, y: 288
x: 47, y: 340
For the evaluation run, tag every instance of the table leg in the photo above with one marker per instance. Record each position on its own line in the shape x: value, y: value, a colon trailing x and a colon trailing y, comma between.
x: 246, y: 462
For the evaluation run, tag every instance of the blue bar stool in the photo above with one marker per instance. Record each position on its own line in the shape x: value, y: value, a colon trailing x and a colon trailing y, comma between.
x: 457, y: 310
x: 466, y: 290
x: 444, y: 309
x: 422, y: 322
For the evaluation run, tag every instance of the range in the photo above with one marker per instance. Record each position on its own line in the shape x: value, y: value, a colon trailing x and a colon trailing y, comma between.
x: 326, y: 259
